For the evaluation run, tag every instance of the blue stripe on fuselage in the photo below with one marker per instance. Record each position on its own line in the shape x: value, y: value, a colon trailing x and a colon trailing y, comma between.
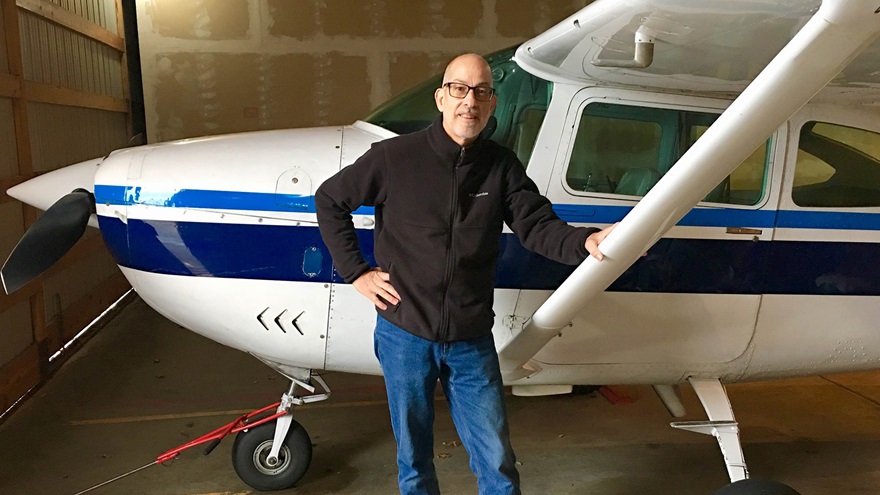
x: 672, y: 265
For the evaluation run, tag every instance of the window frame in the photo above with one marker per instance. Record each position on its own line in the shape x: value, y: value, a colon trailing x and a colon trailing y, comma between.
x: 588, y: 96
x: 845, y: 149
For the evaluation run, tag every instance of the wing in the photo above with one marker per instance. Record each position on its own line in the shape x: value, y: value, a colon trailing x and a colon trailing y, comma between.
x: 709, y: 47
x: 806, y: 59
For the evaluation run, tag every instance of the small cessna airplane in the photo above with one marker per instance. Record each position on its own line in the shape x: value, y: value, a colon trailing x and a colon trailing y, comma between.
x: 737, y: 142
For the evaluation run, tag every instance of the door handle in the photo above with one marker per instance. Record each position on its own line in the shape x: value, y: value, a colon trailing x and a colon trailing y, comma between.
x: 744, y: 231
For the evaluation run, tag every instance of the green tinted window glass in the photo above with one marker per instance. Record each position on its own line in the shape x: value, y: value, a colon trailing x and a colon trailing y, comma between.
x: 745, y: 186
x: 410, y: 111
x: 625, y: 150
x: 616, y: 154
x: 522, y: 104
x: 837, y: 166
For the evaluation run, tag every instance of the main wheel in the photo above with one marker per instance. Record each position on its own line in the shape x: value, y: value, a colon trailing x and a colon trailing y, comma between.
x: 250, y: 453
x: 756, y: 487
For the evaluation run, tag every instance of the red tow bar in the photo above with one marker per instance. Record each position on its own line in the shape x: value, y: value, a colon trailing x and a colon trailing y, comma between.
x: 242, y: 423
x: 214, y: 437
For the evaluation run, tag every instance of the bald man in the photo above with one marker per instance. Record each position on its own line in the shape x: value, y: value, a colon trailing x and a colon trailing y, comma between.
x: 441, y: 198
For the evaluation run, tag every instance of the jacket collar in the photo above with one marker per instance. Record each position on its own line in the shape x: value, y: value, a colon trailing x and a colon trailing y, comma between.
x: 448, y: 149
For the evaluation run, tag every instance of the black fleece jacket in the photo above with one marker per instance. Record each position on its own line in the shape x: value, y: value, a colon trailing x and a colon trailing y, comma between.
x: 440, y: 210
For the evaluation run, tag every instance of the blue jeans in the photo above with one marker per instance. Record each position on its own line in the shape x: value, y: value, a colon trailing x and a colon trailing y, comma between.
x: 471, y: 379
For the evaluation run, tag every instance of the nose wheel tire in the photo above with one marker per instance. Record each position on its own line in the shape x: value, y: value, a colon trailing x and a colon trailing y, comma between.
x: 250, y: 457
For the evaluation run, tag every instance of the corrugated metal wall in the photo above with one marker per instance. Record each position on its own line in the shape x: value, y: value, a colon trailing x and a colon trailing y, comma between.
x: 63, y: 99
x: 55, y: 55
x: 100, y: 12
x: 86, y: 133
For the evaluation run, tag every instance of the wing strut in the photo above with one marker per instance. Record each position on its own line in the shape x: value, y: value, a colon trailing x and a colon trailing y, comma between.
x: 835, y: 35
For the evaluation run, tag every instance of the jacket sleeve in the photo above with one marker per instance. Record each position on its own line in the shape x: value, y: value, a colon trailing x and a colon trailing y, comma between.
x: 359, y: 184
x: 531, y: 217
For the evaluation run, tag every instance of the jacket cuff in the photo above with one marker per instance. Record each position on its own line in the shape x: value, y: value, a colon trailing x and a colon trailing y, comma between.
x: 358, y: 271
x: 582, y: 248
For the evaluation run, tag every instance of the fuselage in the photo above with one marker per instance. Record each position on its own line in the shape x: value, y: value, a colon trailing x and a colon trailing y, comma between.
x: 771, y: 275
x: 219, y: 235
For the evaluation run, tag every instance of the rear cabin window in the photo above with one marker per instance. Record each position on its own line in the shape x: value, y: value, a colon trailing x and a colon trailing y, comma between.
x: 837, y: 166
x: 625, y: 150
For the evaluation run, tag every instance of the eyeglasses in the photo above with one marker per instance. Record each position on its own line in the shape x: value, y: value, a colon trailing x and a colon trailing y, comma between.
x: 458, y: 90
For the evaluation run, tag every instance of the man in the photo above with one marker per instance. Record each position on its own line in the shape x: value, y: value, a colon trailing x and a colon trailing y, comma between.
x: 441, y: 197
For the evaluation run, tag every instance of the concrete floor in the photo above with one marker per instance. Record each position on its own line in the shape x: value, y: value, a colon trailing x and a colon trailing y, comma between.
x: 143, y: 385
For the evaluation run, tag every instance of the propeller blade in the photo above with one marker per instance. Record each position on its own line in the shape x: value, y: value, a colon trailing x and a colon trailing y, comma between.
x: 48, y: 239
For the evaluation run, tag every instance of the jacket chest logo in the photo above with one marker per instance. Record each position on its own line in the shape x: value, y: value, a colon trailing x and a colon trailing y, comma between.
x: 478, y: 194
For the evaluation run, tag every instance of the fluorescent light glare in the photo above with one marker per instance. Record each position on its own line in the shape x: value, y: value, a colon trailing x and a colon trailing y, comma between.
x: 86, y: 329
x: 10, y: 408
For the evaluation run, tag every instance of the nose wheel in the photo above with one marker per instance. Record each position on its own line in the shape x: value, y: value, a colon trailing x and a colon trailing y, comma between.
x: 274, y: 455
x: 254, y: 464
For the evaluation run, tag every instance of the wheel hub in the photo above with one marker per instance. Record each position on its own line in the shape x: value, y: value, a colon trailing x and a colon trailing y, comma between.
x: 268, y: 466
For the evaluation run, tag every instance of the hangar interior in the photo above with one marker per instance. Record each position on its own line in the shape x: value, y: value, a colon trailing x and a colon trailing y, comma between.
x: 135, y: 384
x: 208, y: 67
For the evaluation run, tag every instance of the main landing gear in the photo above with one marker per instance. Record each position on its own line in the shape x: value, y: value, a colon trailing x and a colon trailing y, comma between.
x: 274, y: 455
x: 723, y: 426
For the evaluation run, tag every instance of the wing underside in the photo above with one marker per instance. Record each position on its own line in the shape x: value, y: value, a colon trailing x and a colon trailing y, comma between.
x: 709, y: 47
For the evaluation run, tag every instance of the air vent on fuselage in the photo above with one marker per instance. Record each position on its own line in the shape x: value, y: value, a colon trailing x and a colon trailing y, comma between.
x: 279, y: 322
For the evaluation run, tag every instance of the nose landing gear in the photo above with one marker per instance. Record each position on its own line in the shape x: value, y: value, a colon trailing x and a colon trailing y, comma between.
x: 271, y: 450
x: 274, y: 455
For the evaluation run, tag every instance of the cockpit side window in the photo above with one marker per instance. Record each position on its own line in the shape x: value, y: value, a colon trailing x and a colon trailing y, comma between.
x: 625, y: 150
x: 618, y: 149
x: 837, y: 166
x: 522, y: 105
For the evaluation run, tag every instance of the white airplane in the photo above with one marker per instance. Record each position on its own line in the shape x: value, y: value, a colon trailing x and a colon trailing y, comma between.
x: 761, y: 236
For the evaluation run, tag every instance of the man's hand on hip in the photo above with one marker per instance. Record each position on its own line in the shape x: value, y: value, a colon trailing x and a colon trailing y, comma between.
x: 375, y: 286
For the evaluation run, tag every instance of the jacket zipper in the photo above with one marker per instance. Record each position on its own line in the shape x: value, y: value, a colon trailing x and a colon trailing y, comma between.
x: 450, y: 251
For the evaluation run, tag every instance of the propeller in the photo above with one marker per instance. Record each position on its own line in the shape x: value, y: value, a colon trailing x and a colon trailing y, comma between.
x: 48, y: 239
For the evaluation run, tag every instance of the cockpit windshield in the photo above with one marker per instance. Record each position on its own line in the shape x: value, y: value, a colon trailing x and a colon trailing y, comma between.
x: 522, y: 104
